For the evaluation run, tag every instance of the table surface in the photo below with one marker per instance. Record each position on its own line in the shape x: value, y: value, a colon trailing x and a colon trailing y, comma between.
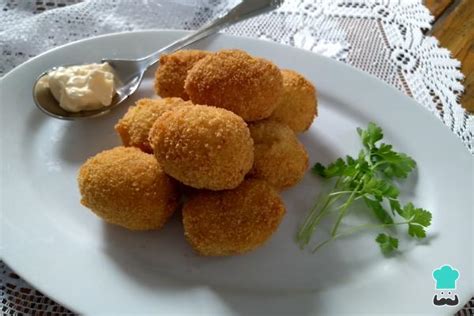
x: 454, y: 28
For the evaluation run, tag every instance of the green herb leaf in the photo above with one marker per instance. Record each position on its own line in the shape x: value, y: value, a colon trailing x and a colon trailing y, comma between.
x: 418, y: 219
x: 422, y: 217
x: 387, y: 243
x: 352, y: 167
x: 417, y: 231
x: 391, y: 163
x: 408, y: 211
x: 395, y: 206
x: 390, y: 191
x: 416, y: 215
x: 379, y: 211
x: 318, y: 169
x: 334, y: 169
x: 371, y: 135
x: 380, y: 188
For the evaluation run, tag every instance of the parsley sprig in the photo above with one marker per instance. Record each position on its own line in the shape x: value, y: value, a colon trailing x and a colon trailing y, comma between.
x: 368, y: 177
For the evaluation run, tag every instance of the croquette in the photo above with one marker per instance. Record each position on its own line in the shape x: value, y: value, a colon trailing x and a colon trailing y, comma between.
x: 298, y: 105
x: 127, y: 187
x: 203, y: 147
x: 173, y: 69
x: 135, y: 125
x: 280, y: 158
x: 230, y: 222
x: 232, y: 79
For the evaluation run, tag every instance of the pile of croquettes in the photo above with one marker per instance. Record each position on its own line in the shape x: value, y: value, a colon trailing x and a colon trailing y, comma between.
x: 223, y: 134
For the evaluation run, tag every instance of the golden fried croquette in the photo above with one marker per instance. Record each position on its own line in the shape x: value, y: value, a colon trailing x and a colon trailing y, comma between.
x: 232, y: 221
x: 135, y: 125
x: 280, y: 158
x: 298, y: 105
x: 232, y: 79
x: 127, y: 187
x: 203, y: 147
x: 173, y: 69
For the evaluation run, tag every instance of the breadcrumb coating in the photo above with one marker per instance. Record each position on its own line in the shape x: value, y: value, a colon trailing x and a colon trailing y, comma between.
x: 298, y: 105
x: 127, y: 187
x: 134, y: 127
x: 204, y: 147
x: 232, y: 79
x: 232, y: 222
x: 172, y: 71
x: 280, y: 158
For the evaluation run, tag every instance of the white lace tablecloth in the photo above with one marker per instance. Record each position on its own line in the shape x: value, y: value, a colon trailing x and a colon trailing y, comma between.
x: 385, y: 38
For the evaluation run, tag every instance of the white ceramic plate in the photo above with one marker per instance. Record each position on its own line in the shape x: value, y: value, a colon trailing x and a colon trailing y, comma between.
x: 72, y: 256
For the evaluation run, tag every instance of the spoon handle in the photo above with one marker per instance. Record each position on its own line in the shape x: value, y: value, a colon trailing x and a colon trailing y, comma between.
x: 244, y: 10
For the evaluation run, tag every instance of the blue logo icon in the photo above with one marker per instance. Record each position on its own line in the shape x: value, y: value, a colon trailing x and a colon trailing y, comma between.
x: 445, y: 278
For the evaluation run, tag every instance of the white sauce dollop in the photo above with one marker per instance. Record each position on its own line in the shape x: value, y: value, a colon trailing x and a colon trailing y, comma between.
x: 84, y: 87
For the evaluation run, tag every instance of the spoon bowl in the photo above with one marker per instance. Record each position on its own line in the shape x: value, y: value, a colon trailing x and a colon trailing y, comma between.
x: 47, y: 103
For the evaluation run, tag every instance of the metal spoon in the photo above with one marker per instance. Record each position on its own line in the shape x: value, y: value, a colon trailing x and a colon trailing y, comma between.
x: 129, y: 72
